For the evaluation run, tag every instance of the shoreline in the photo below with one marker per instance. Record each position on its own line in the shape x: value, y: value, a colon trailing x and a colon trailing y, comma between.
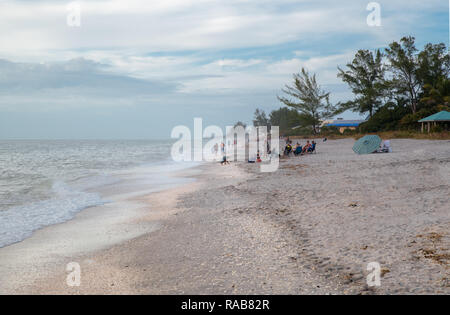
x: 309, y: 228
x: 49, y: 249
x: 180, y: 244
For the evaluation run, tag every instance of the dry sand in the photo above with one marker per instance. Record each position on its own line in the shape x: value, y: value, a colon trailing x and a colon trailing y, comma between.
x: 309, y: 228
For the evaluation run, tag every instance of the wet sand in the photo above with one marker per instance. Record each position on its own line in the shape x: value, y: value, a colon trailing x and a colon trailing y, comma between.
x: 309, y: 228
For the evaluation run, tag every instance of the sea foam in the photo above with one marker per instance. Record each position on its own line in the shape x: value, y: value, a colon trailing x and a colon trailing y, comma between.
x: 18, y: 223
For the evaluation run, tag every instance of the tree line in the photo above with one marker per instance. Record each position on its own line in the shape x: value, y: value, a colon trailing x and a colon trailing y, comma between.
x: 394, y: 87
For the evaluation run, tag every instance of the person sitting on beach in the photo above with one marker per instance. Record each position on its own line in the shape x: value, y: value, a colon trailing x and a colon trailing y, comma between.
x: 306, y: 147
x: 312, y: 147
x: 387, y: 146
x: 298, y: 149
x: 288, y: 149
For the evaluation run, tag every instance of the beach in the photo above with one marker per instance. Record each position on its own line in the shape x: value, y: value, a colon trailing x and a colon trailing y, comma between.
x: 312, y: 227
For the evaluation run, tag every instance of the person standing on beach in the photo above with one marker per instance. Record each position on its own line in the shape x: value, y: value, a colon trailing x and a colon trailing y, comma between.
x: 224, y: 155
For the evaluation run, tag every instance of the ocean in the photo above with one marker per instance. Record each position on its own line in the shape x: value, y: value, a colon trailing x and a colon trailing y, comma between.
x: 48, y: 182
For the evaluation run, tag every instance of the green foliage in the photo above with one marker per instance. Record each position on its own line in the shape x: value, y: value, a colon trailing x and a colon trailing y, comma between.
x: 286, y: 119
x: 420, y: 77
x: 260, y: 118
x: 298, y: 132
x: 433, y: 64
x: 418, y: 86
x: 404, y: 67
x: 307, y: 97
x: 365, y: 76
x: 437, y: 96
x: 329, y: 130
x: 437, y: 128
x: 349, y: 132
x: 240, y: 124
x: 409, y: 121
x: 386, y: 118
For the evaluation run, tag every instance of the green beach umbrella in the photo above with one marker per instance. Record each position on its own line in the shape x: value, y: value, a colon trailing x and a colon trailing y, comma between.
x: 367, y: 144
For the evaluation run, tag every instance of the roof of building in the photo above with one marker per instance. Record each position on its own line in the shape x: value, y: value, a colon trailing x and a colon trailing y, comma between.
x: 345, y: 123
x: 441, y: 116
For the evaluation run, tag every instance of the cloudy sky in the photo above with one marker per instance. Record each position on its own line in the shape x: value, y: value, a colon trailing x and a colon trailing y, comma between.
x: 137, y: 68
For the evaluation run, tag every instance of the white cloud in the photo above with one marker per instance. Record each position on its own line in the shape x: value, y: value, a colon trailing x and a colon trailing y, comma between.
x: 78, y: 83
x: 36, y: 27
x: 170, y: 51
x: 261, y: 75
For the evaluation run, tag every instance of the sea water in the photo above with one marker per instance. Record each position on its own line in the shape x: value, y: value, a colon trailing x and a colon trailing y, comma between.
x: 48, y: 182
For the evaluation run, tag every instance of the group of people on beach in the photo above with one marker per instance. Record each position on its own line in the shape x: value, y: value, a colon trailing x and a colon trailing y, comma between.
x: 309, y: 147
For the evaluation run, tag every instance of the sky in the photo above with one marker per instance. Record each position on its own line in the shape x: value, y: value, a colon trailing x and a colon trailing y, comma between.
x: 135, y: 69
